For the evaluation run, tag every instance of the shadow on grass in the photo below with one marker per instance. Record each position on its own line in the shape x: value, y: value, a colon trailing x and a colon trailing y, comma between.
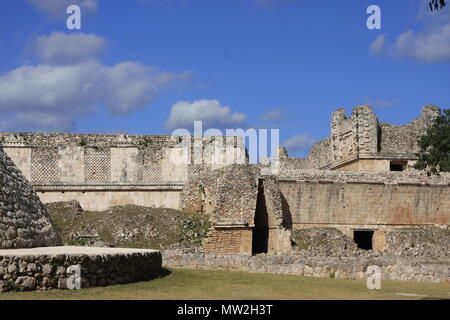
x: 164, y: 272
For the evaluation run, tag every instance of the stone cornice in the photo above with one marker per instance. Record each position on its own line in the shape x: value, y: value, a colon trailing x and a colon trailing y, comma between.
x: 367, y: 156
x: 55, y: 187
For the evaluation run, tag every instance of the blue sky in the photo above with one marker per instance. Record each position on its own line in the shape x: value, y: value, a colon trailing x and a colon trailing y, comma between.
x: 149, y: 66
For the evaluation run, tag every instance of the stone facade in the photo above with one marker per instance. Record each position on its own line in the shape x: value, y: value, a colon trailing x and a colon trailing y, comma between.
x: 376, y: 201
x: 92, y: 159
x: 79, y: 165
x: 24, y: 221
x: 362, y: 203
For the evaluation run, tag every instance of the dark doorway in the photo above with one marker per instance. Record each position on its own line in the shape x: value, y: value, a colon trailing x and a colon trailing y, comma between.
x: 397, y: 166
x: 260, y: 236
x: 363, y: 238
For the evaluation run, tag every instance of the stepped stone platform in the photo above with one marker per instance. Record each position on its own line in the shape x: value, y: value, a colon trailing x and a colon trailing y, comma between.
x: 69, y: 267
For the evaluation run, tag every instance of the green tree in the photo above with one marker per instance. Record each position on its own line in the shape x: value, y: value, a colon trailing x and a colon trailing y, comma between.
x: 436, y: 4
x: 434, y: 154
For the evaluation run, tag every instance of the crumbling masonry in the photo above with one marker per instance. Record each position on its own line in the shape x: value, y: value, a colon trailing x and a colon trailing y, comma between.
x: 359, y: 180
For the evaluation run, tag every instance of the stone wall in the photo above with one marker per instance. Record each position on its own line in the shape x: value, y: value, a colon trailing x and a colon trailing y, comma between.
x: 419, y: 241
x: 227, y: 194
x: 392, y: 268
x: 362, y: 203
x: 42, y: 271
x: 403, y: 139
x: 96, y: 158
x: 101, y: 171
x: 240, y: 202
x: 318, y: 157
x: 24, y: 221
x: 99, y: 198
x: 348, y: 200
x: 385, y: 177
x: 320, y: 154
x: 405, y: 241
x: 237, y: 240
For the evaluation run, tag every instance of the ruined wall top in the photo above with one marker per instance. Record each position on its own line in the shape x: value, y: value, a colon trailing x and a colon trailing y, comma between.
x: 85, y: 159
x: 100, y: 140
x: 383, y: 177
x: 227, y: 194
x: 354, y: 135
x: 403, y: 139
x: 361, y: 134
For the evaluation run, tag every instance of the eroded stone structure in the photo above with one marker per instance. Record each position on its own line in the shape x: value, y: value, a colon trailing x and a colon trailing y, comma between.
x: 24, y: 221
x: 31, y: 252
x: 245, y: 208
x: 101, y: 171
x: 361, y: 142
x: 253, y: 213
x: 354, y: 181
x: 347, y: 182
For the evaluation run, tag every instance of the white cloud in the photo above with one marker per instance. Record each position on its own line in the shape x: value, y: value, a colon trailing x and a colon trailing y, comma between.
x: 211, y: 112
x: 57, y: 8
x: 377, y: 46
x: 62, y: 48
x: 274, y: 115
x: 299, y: 143
x: 49, y: 95
x: 38, y: 121
x: 432, y: 44
x: 122, y: 87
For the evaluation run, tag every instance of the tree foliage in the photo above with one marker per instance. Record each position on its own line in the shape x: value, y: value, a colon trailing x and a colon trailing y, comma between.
x: 434, y: 154
x: 436, y: 4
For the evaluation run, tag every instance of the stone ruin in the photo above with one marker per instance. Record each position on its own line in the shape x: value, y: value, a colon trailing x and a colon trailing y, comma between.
x: 362, y: 142
x: 31, y: 252
x: 358, y: 181
x: 24, y: 221
x: 246, y: 211
x: 355, y: 191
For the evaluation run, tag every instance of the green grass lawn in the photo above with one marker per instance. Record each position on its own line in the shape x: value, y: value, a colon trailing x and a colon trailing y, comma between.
x: 195, y: 284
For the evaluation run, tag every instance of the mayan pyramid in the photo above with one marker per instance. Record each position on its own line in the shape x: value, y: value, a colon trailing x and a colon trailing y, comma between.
x: 24, y: 221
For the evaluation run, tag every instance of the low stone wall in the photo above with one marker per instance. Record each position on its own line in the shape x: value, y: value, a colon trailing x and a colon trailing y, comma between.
x: 47, y: 268
x: 392, y: 268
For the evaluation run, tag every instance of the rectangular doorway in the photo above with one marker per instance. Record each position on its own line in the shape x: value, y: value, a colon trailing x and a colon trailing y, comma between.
x: 363, y: 238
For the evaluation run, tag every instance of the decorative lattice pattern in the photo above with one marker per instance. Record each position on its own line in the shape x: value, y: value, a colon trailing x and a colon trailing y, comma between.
x: 97, y: 164
x: 44, y: 165
x: 150, y: 174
